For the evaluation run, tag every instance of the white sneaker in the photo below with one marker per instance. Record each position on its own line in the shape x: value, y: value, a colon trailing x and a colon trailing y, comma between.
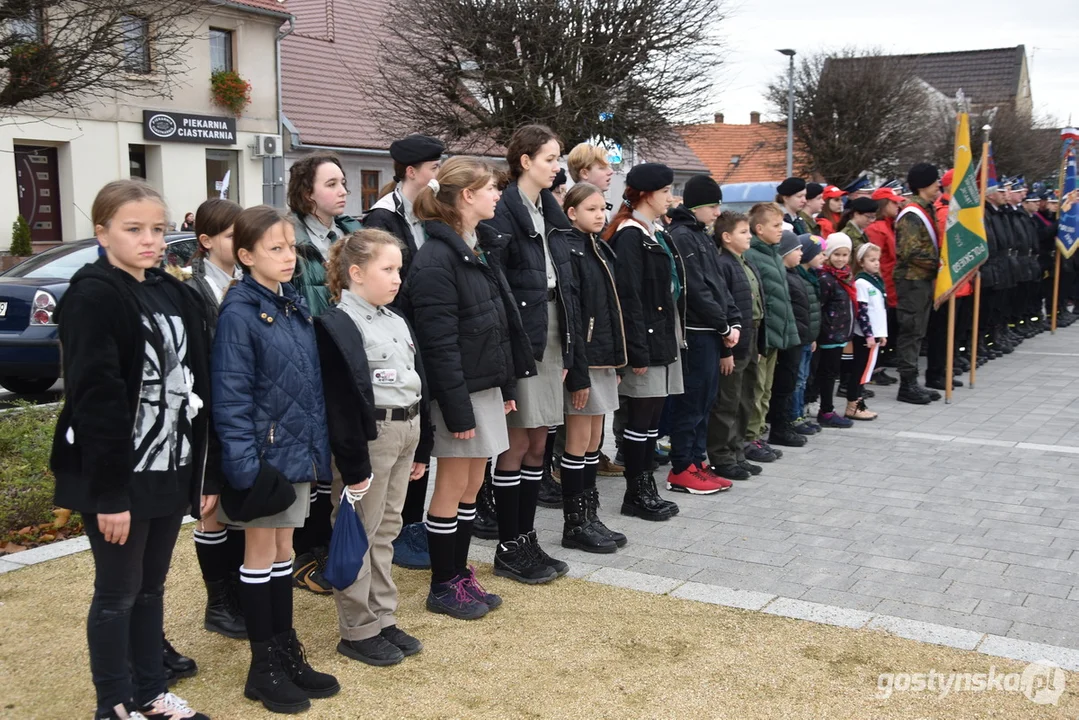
x: 170, y: 706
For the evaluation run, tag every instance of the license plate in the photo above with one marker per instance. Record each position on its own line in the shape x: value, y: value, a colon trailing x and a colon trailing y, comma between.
x: 3, y: 309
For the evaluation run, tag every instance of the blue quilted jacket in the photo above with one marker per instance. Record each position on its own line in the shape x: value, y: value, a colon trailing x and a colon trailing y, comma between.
x: 267, y: 387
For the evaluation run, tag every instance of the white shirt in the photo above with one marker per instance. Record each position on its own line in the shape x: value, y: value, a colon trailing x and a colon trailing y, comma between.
x: 878, y: 313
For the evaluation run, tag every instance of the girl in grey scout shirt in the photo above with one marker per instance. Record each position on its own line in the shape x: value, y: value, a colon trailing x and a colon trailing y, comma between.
x: 380, y: 429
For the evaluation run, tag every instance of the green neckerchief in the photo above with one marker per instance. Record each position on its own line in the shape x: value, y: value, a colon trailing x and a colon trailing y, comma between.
x: 810, y: 277
x: 676, y: 285
x: 876, y: 280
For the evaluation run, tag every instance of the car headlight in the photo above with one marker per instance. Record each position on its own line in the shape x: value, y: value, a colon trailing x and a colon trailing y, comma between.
x: 42, y: 308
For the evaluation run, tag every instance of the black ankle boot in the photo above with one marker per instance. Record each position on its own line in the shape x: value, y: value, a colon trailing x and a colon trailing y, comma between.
x: 516, y: 560
x: 223, y: 615
x: 911, y: 392
x: 593, y: 515
x: 550, y: 492
x: 177, y: 666
x: 642, y: 499
x: 581, y: 533
x: 486, y: 524
x: 783, y: 433
x: 313, y: 683
x: 269, y: 683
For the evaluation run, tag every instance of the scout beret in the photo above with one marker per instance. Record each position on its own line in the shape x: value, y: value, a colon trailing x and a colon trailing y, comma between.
x: 649, y: 177
x: 813, y: 190
x: 791, y: 186
x: 416, y: 149
x: 863, y: 205
x: 922, y: 175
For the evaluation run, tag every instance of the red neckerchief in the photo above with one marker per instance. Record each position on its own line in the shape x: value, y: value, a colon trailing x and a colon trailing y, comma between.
x: 843, y: 278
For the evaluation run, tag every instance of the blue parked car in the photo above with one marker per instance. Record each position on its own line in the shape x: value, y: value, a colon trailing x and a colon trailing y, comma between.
x: 29, y: 292
x: 740, y: 197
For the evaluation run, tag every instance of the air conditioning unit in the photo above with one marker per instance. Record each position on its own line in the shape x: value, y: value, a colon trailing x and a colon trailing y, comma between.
x: 267, y: 145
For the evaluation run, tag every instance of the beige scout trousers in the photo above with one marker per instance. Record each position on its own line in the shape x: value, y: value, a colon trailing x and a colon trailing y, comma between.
x: 368, y: 605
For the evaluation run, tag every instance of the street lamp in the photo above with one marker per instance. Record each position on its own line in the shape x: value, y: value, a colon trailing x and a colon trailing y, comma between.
x: 790, y: 111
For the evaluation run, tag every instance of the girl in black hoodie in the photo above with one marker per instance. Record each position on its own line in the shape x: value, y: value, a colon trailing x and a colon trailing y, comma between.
x: 131, y: 443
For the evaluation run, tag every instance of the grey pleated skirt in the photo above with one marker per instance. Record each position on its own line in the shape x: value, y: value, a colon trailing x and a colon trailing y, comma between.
x: 603, y: 395
x: 659, y: 381
x: 491, y: 439
x: 539, y: 398
x: 291, y: 517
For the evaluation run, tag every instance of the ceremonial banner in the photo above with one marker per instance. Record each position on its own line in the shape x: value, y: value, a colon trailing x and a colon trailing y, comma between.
x: 963, y: 248
x: 1068, y: 233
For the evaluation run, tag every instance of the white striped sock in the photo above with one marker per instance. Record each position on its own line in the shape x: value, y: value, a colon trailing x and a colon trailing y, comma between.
x: 281, y: 569
x: 505, y: 478
x: 206, y: 537
x: 254, y: 576
x: 441, y: 527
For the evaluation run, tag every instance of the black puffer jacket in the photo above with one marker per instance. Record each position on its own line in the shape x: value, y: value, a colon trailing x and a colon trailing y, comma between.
x: 604, y: 341
x: 734, y: 277
x: 803, y: 307
x: 709, y: 305
x: 522, y: 260
x: 389, y: 214
x: 469, y: 331
x: 643, y: 274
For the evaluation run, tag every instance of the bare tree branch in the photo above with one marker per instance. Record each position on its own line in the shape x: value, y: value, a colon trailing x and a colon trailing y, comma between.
x: 471, y: 71
x: 56, y: 56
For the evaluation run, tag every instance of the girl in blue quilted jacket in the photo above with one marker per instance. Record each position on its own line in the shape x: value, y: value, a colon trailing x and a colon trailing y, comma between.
x: 270, y: 417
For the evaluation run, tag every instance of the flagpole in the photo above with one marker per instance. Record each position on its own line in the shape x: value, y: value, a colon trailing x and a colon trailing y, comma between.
x: 975, y: 335
x: 1056, y: 294
x: 950, y: 356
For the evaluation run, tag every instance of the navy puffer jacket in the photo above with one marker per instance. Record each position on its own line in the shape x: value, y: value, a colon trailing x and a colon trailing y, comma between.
x: 267, y: 387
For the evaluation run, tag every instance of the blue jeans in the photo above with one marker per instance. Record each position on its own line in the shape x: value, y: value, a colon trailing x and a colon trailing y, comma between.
x: 799, y: 399
x: 689, y: 411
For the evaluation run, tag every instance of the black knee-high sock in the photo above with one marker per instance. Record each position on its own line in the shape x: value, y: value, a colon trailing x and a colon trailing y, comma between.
x: 650, y: 449
x: 415, y: 499
x: 548, y: 451
x: 234, y: 549
x: 591, y: 467
x: 281, y: 596
x: 442, y: 544
x: 530, y: 487
x: 507, y: 487
x: 573, y: 471
x: 634, y: 449
x: 323, y: 528
x: 255, y: 596
x: 466, y: 516
x: 211, y: 549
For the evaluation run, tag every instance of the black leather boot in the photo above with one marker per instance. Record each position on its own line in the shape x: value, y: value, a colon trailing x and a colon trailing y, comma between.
x: 177, y: 666
x: 313, y: 683
x: 269, y: 682
x: 911, y: 392
x: 581, y: 533
x: 223, y: 614
x: 642, y: 499
x: 486, y: 524
x: 593, y: 514
x: 782, y: 433
x: 550, y: 492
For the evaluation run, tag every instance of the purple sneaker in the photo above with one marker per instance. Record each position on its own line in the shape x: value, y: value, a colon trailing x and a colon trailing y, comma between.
x: 472, y: 586
x: 832, y: 420
x: 453, y: 598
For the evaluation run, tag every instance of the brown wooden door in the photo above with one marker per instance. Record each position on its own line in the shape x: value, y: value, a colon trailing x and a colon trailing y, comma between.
x: 36, y: 171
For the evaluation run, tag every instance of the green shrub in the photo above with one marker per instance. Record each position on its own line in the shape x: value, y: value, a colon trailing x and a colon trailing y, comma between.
x: 26, y: 483
x: 20, y: 238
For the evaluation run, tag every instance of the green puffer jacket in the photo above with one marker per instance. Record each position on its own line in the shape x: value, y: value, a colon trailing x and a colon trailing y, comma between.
x: 781, y: 331
x: 310, y: 276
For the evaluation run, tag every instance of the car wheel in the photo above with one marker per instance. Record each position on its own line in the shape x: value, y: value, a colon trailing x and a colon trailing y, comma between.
x: 27, y: 386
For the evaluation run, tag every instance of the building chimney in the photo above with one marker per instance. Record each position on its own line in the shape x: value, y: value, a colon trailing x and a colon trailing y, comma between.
x: 719, y: 118
x: 754, y: 118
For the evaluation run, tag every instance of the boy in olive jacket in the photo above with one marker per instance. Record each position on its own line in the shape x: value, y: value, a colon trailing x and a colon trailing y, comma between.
x: 780, y: 329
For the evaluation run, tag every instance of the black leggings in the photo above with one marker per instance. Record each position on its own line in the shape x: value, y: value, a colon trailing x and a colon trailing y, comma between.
x: 642, y: 430
x: 827, y: 372
x: 125, y: 626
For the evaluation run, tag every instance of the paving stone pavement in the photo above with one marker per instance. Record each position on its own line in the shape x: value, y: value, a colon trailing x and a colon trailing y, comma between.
x: 948, y: 523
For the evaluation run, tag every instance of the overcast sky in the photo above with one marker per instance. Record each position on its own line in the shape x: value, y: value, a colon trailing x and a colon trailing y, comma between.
x: 755, y: 30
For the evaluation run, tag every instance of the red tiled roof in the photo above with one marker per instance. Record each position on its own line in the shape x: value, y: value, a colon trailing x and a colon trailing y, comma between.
x: 761, y: 149
x: 326, y: 64
x: 674, y: 153
x: 271, y: 5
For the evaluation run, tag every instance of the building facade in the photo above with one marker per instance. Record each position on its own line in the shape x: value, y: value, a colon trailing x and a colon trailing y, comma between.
x: 186, y: 146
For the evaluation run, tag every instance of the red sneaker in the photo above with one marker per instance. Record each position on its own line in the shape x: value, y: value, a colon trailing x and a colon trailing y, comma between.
x: 706, y: 471
x: 692, y: 481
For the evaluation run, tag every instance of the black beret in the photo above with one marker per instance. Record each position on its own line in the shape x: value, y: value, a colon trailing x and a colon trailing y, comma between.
x: 701, y: 190
x: 416, y: 149
x: 559, y: 179
x: 863, y: 205
x: 813, y: 190
x: 921, y: 176
x: 649, y: 177
x: 791, y: 186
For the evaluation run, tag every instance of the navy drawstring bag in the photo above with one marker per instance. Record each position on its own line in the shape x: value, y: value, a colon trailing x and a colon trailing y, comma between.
x: 348, y: 545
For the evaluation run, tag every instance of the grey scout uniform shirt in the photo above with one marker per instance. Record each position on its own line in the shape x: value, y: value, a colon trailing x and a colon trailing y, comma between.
x: 320, y: 234
x: 391, y: 357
